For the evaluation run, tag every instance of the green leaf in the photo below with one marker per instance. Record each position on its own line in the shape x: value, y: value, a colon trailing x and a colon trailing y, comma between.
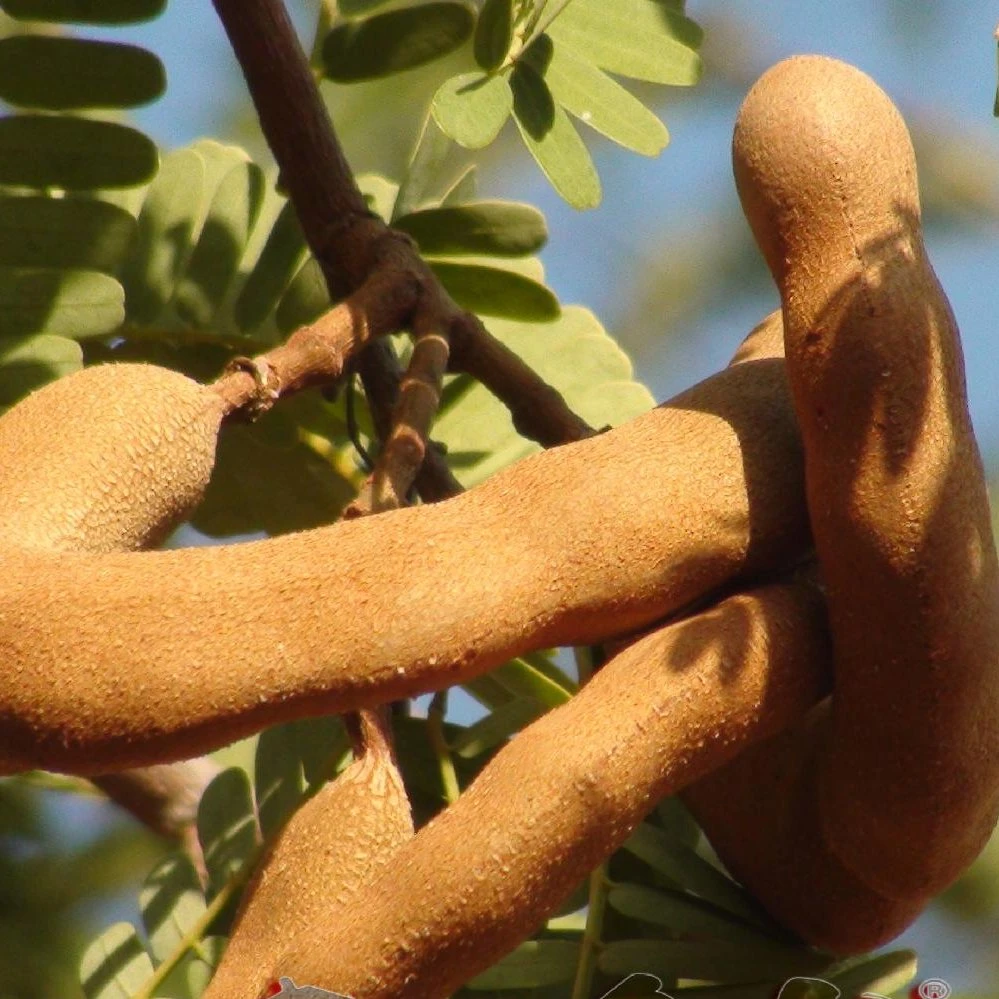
x: 73, y: 153
x: 534, y: 964
x: 494, y: 33
x: 685, y: 914
x: 84, y: 11
x: 463, y: 189
x: 472, y: 108
x: 397, y: 40
x: 29, y: 363
x: 282, y: 255
x: 595, y: 99
x: 644, y: 39
x: 164, y: 230
x: 497, y: 726
x: 424, y: 169
x: 227, y: 828
x: 493, y: 228
x: 115, y: 965
x: 685, y: 868
x: 63, y: 232
x: 278, y: 780
x: 552, y: 140
x: 267, y: 479
x: 171, y: 903
x: 214, y: 263
x: 305, y: 299
x: 573, y: 353
x: 710, y: 961
x: 539, y: 680
x: 64, y: 73
x: 355, y: 8
x: 495, y: 292
x: 71, y: 303
x: 884, y: 973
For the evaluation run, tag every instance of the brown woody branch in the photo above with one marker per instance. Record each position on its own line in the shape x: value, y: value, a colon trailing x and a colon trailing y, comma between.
x: 349, y: 243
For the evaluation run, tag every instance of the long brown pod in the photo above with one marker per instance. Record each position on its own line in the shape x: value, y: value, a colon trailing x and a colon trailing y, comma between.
x: 124, y: 659
x: 561, y: 796
x: 848, y: 826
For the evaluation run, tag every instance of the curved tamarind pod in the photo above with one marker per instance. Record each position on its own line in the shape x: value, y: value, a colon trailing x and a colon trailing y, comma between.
x: 565, y: 793
x: 334, y: 844
x: 907, y: 768
x: 107, y: 459
x: 163, y: 655
x: 80, y: 495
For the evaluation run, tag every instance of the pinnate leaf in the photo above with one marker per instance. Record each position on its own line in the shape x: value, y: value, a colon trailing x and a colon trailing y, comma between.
x: 472, y: 108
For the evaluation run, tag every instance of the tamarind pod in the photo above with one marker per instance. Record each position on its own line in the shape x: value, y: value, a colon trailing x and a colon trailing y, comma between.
x: 110, y: 458
x: 334, y: 844
x: 565, y: 793
x: 125, y: 659
x: 908, y: 773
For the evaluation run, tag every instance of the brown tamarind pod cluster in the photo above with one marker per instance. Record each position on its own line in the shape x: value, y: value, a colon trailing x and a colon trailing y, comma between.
x: 858, y: 817
x: 163, y: 655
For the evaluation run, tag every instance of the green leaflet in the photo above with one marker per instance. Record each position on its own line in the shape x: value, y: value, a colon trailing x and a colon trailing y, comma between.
x: 472, y: 108
x: 494, y: 228
x: 534, y: 964
x: 493, y: 33
x: 590, y: 95
x: 576, y: 355
x: 552, y: 140
x: 496, y: 292
x: 64, y: 73
x: 215, y: 259
x: 84, y: 11
x: 227, y: 827
x: 68, y: 303
x: 397, y: 40
x: 74, y: 153
x: 165, y: 227
x: 63, y: 233
x: 172, y: 903
x: 642, y: 39
x: 29, y: 363
x: 883, y: 973
x: 115, y: 965
x: 709, y: 960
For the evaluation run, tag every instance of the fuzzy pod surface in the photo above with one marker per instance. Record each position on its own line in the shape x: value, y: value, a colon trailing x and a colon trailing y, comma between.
x: 167, y: 654
x: 906, y: 765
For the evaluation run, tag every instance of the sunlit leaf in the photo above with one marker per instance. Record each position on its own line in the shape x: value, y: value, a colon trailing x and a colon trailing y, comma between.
x: 396, y: 40
x: 495, y: 292
x: 84, y: 11
x: 883, y: 973
x: 227, y: 828
x: 62, y: 73
x: 29, y: 363
x: 472, y: 108
x: 164, y: 230
x: 534, y: 964
x: 71, y: 303
x: 596, y: 100
x: 215, y: 260
x: 115, y: 965
x: 495, y: 228
x: 171, y: 903
x: 644, y: 39
x: 493, y: 33
x: 74, y: 153
x: 552, y: 140
x: 573, y: 353
x: 424, y: 169
x: 304, y: 299
x: 63, y: 232
x: 278, y: 779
